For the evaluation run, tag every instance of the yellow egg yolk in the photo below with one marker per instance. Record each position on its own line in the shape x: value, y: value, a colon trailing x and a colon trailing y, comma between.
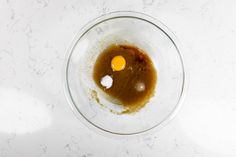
x: 118, y: 63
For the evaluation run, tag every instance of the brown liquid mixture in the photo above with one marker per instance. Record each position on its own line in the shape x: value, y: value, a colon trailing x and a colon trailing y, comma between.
x: 133, y: 86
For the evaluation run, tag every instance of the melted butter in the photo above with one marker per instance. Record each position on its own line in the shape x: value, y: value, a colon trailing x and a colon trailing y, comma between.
x: 134, y: 85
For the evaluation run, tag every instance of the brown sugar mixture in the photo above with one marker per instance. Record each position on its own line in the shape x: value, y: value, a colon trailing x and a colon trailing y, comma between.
x: 127, y: 75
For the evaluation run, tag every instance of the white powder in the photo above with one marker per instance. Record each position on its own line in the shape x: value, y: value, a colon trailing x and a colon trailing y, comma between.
x: 107, y: 81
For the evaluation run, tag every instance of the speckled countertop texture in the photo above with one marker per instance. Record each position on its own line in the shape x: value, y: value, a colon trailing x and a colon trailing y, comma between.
x: 35, y: 118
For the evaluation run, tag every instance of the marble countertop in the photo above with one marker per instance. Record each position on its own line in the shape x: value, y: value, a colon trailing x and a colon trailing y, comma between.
x: 35, y: 118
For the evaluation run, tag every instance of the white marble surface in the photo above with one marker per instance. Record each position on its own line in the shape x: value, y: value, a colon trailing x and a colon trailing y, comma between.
x: 35, y: 119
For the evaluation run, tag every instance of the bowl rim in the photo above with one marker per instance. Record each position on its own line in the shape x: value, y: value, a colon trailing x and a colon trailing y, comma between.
x: 114, y: 15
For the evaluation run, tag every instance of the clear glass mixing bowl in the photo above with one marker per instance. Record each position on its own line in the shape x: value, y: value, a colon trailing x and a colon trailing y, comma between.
x: 144, y: 32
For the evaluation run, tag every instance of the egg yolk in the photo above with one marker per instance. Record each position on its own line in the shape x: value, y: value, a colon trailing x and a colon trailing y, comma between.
x: 118, y: 63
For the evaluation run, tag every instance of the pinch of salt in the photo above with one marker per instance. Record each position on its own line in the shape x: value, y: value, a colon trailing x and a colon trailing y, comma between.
x: 107, y: 81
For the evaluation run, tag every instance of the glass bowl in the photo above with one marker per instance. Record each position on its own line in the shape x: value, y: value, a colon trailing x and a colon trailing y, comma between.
x: 148, y: 34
